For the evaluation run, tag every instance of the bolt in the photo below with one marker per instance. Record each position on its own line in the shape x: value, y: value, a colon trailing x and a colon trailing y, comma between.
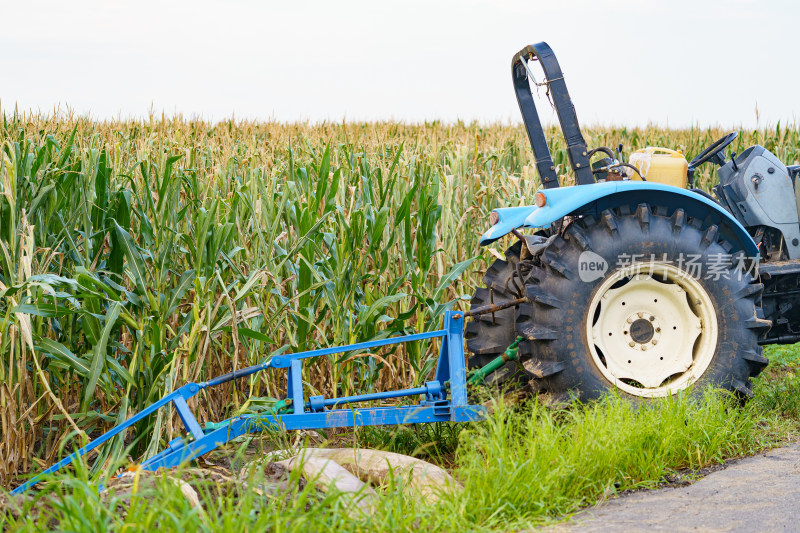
x: 577, y: 165
x: 644, y: 348
x: 584, y: 153
x: 658, y: 330
x: 652, y: 318
x: 630, y: 320
x: 655, y: 342
x: 640, y: 315
x: 631, y: 344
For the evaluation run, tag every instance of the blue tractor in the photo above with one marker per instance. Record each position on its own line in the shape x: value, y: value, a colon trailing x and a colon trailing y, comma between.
x: 632, y: 279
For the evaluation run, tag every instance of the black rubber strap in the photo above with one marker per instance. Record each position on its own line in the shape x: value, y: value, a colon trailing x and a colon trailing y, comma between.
x: 576, y: 145
x: 236, y: 374
x: 541, y: 153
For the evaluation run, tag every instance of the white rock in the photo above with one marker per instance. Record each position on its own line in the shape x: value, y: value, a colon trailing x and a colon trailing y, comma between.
x: 377, y: 467
x: 327, y: 474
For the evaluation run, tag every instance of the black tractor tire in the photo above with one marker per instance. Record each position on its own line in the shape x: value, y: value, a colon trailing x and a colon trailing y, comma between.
x: 555, y: 322
x: 489, y: 335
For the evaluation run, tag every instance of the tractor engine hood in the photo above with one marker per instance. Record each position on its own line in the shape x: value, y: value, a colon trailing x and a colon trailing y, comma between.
x: 592, y: 199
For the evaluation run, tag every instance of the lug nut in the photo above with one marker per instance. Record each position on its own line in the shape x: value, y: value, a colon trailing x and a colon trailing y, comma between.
x: 652, y: 318
x: 655, y: 342
x: 644, y: 348
x: 631, y: 344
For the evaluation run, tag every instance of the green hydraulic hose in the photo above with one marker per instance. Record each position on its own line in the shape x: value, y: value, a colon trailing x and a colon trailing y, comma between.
x: 282, y: 407
x: 477, y: 376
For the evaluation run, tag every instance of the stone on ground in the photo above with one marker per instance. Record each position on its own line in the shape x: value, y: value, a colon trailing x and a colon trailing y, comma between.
x: 377, y: 467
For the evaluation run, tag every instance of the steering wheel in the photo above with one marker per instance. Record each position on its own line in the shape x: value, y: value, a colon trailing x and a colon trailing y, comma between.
x: 712, y: 153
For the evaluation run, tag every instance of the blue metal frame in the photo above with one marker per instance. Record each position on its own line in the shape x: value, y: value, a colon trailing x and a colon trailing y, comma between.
x: 315, y: 413
x: 583, y: 199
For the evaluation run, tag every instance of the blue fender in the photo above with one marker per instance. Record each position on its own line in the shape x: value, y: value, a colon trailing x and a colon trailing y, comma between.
x: 594, y: 199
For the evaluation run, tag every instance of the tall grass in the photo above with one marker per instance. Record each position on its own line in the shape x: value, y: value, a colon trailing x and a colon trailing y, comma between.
x: 521, y: 468
x: 138, y: 255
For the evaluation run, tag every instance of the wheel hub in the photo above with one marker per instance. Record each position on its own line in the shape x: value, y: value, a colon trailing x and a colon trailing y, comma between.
x: 642, y: 331
x: 653, y: 329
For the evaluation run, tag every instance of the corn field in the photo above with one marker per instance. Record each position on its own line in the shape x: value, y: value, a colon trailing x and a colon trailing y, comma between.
x: 138, y: 255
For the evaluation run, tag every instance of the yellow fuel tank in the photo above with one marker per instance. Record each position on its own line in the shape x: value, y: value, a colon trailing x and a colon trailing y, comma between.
x: 660, y: 165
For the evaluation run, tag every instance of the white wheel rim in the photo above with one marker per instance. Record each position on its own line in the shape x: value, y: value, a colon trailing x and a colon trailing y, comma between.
x: 654, y: 334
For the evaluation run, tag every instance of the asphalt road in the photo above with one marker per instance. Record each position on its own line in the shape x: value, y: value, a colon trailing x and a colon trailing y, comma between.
x: 760, y: 493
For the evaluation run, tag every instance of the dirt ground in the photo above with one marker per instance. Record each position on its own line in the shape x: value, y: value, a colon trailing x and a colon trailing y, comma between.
x: 759, y: 493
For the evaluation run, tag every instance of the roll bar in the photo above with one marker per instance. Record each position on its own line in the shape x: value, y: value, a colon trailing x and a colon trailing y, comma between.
x: 554, y: 80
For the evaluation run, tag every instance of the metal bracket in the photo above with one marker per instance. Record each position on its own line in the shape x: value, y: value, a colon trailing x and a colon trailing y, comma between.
x: 318, y: 412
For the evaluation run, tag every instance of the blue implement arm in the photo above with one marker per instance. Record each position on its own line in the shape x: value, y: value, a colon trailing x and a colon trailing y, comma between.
x: 593, y: 199
x: 443, y: 400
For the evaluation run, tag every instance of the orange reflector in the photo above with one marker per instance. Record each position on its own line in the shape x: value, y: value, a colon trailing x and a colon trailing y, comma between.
x: 494, y: 218
x: 540, y: 199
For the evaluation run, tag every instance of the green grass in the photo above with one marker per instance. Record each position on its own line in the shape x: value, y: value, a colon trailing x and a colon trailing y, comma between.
x: 779, y: 385
x: 525, y: 466
x: 782, y: 356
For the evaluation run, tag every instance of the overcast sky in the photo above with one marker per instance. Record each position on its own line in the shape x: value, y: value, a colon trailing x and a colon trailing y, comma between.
x: 626, y: 62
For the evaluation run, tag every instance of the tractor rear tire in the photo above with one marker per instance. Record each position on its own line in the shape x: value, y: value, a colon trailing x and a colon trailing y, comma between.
x: 662, y: 328
x: 489, y: 335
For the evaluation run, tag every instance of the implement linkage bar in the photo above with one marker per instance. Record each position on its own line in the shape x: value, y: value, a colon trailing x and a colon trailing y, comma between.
x: 436, y: 406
